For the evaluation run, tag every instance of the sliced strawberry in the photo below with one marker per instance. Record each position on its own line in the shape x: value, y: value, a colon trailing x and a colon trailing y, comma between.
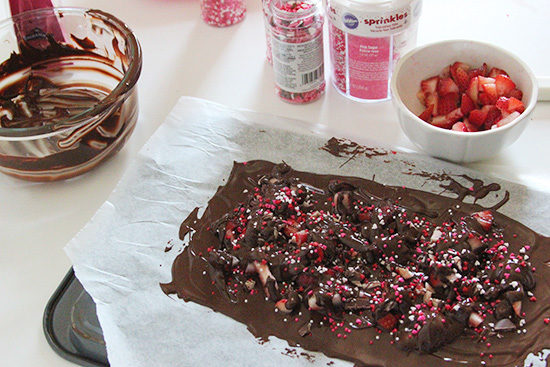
x: 502, y: 104
x: 472, y: 90
x: 434, y: 281
x: 496, y: 71
x: 490, y: 92
x: 509, y: 105
x: 477, y: 117
x: 301, y: 237
x: 442, y: 122
x: 481, y: 71
x: 459, y: 73
x: 432, y: 100
x: 445, y: 72
x: 505, y: 121
x: 447, y: 121
x: 421, y: 97
x: 291, y: 227
x: 429, y: 85
x: 459, y: 126
x: 229, y: 233
x: 504, y: 85
x: 484, y: 80
x: 388, y: 321
x: 517, y: 308
x: 365, y: 216
x: 447, y: 86
x: 484, y: 218
x: 471, y: 127
x: 516, y: 93
x: 426, y: 115
x: 447, y: 103
x: 515, y: 105
x: 466, y: 104
x: 493, y: 115
x: 454, y: 115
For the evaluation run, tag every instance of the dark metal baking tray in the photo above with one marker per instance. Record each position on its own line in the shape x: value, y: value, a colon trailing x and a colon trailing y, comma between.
x: 71, y: 326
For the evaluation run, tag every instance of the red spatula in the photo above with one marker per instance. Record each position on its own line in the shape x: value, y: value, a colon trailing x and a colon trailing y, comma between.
x: 27, y: 26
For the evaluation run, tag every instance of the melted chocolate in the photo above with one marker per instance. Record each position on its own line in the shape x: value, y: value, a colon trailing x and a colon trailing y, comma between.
x: 444, y: 340
x: 35, y: 94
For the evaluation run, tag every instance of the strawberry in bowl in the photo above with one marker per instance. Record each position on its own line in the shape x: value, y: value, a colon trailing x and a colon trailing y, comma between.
x: 466, y: 110
x: 467, y: 99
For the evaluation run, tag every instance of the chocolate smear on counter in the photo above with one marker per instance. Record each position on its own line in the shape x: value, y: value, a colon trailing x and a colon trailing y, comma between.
x: 429, y: 280
x: 340, y: 147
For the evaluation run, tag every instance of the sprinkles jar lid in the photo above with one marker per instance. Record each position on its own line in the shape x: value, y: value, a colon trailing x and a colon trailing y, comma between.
x: 294, y: 10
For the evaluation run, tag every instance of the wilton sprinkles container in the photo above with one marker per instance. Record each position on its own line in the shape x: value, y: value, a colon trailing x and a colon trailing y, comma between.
x: 296, y: 28
x: 366, y: 39
x: 222, y: 13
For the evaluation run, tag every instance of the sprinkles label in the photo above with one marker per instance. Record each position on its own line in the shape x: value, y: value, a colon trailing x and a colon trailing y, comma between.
x: 298, y: 66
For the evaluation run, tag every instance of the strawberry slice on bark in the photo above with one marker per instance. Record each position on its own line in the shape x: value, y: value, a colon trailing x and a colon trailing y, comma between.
x: 484, y: 218
x: 300, y: 237
x: 388, y: 321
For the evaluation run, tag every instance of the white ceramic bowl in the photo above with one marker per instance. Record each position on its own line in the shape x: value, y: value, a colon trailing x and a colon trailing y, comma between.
x: 429, y: 60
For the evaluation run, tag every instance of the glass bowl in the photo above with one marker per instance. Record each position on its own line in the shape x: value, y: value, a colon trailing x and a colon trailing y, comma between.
x: 68, y: 96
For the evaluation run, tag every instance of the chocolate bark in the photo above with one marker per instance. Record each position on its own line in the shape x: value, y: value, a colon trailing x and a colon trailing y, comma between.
x: 373, y: 274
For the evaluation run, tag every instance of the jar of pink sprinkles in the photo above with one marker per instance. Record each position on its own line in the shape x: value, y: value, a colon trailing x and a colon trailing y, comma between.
x: 222, y: 13
x: 367, y: 38
x: 297, y: 49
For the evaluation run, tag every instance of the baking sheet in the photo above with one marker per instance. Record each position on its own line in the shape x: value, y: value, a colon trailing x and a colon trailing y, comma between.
x: 120, y: 257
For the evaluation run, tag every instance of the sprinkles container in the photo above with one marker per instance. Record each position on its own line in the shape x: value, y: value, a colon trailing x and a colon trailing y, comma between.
x: 222, y: 13
x: 296, y: 28
x: 266, y: 8
x: 366, y: 39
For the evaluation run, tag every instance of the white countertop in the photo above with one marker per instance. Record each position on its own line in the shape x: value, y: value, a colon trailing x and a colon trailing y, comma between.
x: 183, y: 56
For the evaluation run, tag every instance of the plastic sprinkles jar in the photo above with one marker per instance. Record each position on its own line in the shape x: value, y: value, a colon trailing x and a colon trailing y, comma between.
x: 366, y: 39
x: 297, y: 49
x: 222, y: 13
x: 266, y: 7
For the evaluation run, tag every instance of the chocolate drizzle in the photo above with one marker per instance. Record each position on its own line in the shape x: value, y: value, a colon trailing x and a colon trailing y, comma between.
x: 206, y: 272
x: 339, y: 147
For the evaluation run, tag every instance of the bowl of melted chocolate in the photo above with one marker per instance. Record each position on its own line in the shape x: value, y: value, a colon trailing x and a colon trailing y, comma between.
x: 68, y: 96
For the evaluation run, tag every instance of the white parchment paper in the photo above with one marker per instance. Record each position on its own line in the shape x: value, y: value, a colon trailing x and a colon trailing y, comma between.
x: 120, y: 258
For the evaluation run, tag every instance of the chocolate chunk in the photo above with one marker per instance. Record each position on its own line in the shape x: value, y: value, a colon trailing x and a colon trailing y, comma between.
x: 305, y: 329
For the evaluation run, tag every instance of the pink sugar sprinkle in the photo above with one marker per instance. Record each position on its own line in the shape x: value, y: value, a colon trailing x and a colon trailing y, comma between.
x: 222, y: 13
